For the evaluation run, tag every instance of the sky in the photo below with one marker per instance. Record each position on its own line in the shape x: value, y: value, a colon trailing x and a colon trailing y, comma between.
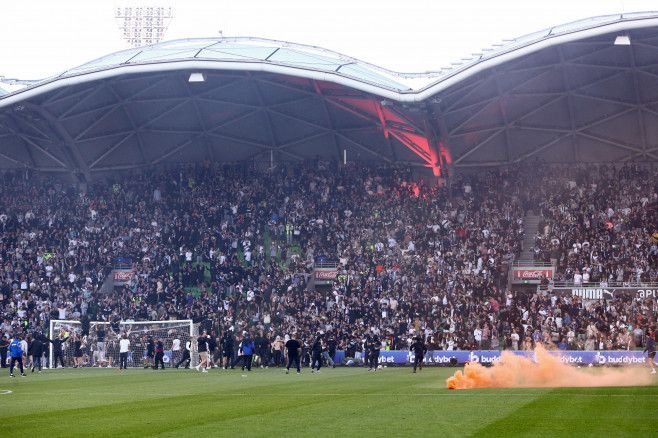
x: 40, y: 38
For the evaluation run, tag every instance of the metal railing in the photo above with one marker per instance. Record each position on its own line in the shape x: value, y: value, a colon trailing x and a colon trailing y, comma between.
x: 533, y: 264
x: 327, y: 264
x: 608, y: 285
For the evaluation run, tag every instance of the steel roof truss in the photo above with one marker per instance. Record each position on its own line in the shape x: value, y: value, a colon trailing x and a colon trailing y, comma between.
x: 111, y: 149
x: 365, y: 148
x: 92, y: 125
x: 611, y: 142
x: 89, y: 95
x: 27, y: 140
x: 479, y: 145
x: 638, y: 99
x: 140, y: 142
x: 268, y: 117
x: 540, y: 148
x: 242, y: 140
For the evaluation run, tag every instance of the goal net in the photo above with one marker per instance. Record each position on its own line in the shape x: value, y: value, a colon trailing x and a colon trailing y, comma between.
x: 172, y: 333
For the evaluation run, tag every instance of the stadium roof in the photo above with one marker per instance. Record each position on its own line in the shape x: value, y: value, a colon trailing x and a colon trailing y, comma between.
x: 564, y: 94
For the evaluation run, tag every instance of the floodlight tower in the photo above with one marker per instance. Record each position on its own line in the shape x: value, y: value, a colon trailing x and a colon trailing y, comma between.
x: 143, y: 25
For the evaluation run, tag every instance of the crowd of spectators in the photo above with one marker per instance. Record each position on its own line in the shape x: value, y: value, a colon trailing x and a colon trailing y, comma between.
x: 233, y: 247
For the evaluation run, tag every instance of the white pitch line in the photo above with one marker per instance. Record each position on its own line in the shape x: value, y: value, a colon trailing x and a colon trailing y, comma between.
x: 457, y: 393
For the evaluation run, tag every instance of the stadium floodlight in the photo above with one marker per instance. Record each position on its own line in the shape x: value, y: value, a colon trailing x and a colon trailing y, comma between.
x: 143, y: 25
x: 197, y: 77
x: 623, y: 40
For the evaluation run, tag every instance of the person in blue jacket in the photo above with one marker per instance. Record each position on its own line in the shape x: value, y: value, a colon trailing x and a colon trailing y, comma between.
x: 247, y: 346
x: 16, y: 351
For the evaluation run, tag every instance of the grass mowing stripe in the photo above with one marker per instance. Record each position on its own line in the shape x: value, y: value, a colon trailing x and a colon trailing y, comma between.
x: 327, y: 394
x: 344, y: 401
x: 573, y: 416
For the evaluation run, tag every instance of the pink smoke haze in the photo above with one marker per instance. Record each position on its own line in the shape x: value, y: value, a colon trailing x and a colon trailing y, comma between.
x: 513, y: 371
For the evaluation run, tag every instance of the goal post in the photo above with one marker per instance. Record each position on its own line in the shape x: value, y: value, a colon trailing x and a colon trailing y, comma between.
x: 138, y: 332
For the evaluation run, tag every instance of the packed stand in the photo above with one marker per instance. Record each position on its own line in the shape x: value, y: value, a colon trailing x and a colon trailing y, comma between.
x: 233, y: 248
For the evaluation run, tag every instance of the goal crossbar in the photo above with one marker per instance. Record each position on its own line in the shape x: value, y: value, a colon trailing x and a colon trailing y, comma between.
x: 174, y: 335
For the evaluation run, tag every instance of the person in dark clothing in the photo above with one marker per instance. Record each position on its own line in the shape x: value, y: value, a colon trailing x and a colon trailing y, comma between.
x: 159, y: 354
x: 100, y: 343
x: 331, y: 350
x: 263, y: 350
x: 294, y: 349
x: 650, y: 349
x: 367, y: 343
x: 375, y: 348
x: 150, y: 352
x: 306, y: 350
x: 57, y: 350
x: 316, y: 354
x: 227, y: 348
x: 371, y: 348
x: 186, y: 355
x: 35, y: 349
x: 202, y: 348
x: 84, y: 325
x: 212, y: 347
x: 77, y: 351
x: 419, y: 348
x: 4, y: 348
x: 237, y: 353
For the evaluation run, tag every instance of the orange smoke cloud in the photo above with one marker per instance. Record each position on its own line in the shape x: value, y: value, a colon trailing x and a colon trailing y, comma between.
x: 513, y: 371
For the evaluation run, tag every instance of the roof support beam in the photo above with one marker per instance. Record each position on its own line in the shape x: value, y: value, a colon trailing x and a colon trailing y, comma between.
x: 479, y: 145
x: 638, y: 100
x: 540, y: 148
x: 78, y: 164
x: 111, y: 149
x: 365, y: 148
x: 268, y: 117
x: 503, y: 113
x: 611, y: 142
x: 569, y: 92
x: 35, y: 145
x: 129, y: 116
x: 330, y: 121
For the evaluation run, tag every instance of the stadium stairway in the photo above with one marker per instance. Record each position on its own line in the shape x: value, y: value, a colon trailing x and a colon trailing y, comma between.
x: 530, y: 224
x: 108, y: 284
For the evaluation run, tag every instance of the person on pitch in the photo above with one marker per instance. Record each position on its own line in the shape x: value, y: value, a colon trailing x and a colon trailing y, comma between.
x: 294, y: 351
x: 419, y: 348
x: 150, y: 352
x: 16, y: 351
x: 650, y: 349
x: 124, y: 348
x: 316, y: 354
x: 159, y: 354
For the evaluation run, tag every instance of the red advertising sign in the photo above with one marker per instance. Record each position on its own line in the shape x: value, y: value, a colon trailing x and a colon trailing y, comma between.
x: 531, y: 274
x: 326, y: 274
x: 123, y: 275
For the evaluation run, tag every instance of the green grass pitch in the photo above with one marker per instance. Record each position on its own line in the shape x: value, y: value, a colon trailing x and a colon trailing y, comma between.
x: 348, y: 402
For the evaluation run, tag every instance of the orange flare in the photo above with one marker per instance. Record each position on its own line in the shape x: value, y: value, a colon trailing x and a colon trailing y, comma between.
x: 513, y: 371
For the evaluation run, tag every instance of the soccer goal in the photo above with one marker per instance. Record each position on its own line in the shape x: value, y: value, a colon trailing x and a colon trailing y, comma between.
x: 177, y: 332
